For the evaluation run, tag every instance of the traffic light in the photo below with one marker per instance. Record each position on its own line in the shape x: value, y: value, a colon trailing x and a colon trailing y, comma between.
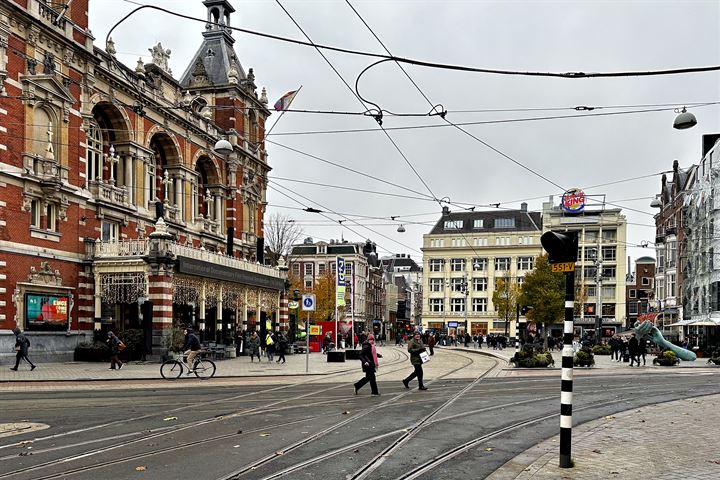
x: 561, y: 247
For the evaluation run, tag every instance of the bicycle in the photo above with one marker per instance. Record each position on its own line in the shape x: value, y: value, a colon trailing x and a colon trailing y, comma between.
x: 203, y: 368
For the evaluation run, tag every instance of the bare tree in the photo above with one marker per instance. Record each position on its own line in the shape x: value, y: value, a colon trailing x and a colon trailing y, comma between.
x: 281, y: 233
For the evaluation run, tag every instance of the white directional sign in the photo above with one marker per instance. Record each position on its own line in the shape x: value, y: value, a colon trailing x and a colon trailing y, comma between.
x: 308, y: 303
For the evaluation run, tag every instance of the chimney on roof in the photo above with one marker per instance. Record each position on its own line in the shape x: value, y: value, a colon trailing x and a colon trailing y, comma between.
x: 446, y: 210
x: 308, y: 241
x: 676, y: 165
x: 523, y: 207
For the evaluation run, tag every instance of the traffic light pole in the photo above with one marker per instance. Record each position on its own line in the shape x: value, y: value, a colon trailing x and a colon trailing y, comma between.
x: 566, y: 383
x: 562, y: 248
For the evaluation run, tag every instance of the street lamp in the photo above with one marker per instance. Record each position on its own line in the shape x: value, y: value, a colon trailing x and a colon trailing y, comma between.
x: 684, y: 120
x: 223, y: 147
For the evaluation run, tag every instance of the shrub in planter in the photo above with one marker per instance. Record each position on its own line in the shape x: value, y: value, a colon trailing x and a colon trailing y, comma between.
x: 584, y: 358
x: 666, y: 358
x: 92, y: 352
x: 528, y: 357
x: 601, y: 349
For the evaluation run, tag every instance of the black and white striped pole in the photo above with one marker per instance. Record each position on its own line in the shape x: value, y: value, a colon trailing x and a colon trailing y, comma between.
x: 562, y: 255
x: 566, y: 384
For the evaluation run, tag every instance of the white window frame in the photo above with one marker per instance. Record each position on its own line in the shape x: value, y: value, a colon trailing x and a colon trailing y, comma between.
x: 456, y: 284
x: 51, y: 217
x: 457, y: 305
x: 646, y: 282
x: 505, y: 222
x: 453, y: 224
x: 93, y: 154
x: 437, y: 284
x: 457, y: 264
x: 296, y: 269
x: 502, y: 263
x: 479, y: 305
x: 109, y: 231
x: 437, y: 305
x: 525, y: 263
x: 436, y: 264
x: 322, y: 268
x: 35, y: 209
x: 478, y: 223
x: 632, y: 293
x: 309, y: 269
x: 480, y: 284
x: 479, y: 264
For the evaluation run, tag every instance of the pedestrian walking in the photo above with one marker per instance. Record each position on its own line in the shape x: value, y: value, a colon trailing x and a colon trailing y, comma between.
x: 253, y: 347
x: 642, y: 351
x: 633, y: 347
x: 431, y: 344
x: 269, y: 346
x: 281, y: 347
x: 116, y: 346
x: 22, y: 344
x: 369, y: 363
x: 416, y: 347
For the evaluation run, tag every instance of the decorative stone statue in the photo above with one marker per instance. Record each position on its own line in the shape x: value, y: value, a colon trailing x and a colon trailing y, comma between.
x: 160, y: 57
x: 648, y: 330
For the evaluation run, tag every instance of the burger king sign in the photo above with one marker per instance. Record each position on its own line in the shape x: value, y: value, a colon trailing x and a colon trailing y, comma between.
x: 573, y: 201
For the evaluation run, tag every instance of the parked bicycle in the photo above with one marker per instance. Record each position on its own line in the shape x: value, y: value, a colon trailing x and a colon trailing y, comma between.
x: 202, y: 367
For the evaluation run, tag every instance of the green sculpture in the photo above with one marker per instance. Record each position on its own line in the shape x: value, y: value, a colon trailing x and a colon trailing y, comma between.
x: 647, y: 329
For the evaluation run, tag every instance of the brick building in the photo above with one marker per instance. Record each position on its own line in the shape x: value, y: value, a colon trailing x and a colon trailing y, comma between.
x: 640, y: 292
x: 116, y: 211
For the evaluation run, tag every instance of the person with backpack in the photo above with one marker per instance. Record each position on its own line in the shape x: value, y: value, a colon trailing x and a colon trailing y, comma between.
x: 269, y: 346
x: 22, y: 344
x: 116, y: 346
x: 191, y: 348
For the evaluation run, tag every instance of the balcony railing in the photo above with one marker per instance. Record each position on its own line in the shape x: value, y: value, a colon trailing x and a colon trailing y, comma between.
x: 140, y: 248
x: 51, y: 15
x: 208, y: 225
x: 109, y: 193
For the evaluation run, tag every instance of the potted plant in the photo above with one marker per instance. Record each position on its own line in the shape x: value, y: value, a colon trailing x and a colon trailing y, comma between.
x: 173, y: 343
x: 529, y: 357
x: 666, y: 358
x: 601, y: 349
x: 584, y: 358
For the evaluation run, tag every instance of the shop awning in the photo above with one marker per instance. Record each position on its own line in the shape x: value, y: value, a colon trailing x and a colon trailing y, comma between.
x: 680, y: 323
x: 703, y: 323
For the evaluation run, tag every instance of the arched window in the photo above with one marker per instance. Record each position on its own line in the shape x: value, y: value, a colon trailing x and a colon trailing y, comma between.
x: 94, y: 153
x: 44, y: 132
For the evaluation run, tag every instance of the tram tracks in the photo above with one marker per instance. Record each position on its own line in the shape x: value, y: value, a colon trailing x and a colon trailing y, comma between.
x: 164, y: 431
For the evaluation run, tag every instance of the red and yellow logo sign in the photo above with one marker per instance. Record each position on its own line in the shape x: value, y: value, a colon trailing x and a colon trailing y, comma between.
x: 573, y: 201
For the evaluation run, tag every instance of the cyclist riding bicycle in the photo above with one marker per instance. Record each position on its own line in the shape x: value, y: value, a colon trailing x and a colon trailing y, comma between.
x: 191, y: 347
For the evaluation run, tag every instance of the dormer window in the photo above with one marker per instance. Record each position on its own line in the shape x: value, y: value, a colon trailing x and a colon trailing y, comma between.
x: 453, y: 224
x: 322, y: 249
x: 504, y: 223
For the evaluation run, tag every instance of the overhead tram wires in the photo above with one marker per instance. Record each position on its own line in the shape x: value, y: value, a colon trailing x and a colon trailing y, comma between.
x: 436, y: 65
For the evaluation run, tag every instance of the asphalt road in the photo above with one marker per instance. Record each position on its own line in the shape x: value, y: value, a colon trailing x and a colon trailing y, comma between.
x: 208, y: 430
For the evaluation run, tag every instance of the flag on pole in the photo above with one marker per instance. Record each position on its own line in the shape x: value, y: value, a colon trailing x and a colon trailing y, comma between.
x: 285, y: 100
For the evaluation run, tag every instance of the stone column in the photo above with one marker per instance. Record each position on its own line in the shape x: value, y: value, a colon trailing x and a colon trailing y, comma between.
x: 219, y: 314
x: 160, y: 285
x: 283, y: 315
x: 129, y: 184
x: 179, y: 197
x: 218, y: 211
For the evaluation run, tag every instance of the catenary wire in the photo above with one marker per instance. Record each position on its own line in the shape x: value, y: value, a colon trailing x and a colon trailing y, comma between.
x: 463, y: 68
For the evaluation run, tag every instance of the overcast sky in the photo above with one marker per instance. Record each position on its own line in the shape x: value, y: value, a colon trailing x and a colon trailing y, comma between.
x: 588, y: 36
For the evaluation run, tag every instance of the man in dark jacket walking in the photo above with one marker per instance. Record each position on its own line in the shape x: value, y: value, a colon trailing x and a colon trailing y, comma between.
x: 21, y: 348
x: 114, y: 344
x: 415, y: 347
x: 282, y: 344
x: 633, y: 347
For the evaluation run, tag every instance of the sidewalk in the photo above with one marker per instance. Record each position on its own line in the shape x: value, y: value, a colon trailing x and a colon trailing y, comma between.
x: 235, y: 367
x: 671, y: 440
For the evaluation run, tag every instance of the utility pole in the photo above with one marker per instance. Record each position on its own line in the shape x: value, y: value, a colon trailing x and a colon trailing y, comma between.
x: 467, y: 297
x: 598, y: 294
